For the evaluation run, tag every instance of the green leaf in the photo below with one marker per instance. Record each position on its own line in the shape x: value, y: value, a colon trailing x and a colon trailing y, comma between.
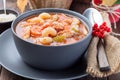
x: 117, y: 2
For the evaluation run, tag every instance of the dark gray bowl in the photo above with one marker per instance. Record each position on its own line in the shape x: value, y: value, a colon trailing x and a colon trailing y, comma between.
x: 6, y: 25
x: 51, y: 57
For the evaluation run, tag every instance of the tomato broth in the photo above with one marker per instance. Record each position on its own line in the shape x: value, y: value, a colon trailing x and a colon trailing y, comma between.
x: 52, y: 29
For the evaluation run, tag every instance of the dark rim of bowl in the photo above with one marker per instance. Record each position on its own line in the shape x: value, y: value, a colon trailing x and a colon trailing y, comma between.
x: 13, y: 10
x: 58, y: 10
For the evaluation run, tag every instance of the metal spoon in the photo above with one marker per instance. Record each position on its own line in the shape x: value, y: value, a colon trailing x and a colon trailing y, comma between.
x: 94, y: 16
x: 4, y: 4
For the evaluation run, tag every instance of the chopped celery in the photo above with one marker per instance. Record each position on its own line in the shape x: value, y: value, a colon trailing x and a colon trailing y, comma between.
x: 75, y: 30
x: 59, y: 38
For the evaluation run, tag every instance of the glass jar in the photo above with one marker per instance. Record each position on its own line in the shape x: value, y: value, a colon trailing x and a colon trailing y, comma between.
x: 110, y: 11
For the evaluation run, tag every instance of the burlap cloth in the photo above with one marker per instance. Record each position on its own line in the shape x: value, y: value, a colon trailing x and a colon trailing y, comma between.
x: 112, y: 49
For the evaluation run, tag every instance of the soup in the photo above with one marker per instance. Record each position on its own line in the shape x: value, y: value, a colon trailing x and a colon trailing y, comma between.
x: 52, y: 29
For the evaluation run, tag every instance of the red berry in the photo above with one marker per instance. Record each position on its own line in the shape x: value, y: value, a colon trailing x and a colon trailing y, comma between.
x: 94, y: 28
x: 104, y: 23
x: 105, y: 28
x: 99, y: 35
x: 97, y: 30
x: 102, y: 27
x: 102, y: 31
x: 108, y: 30
x: 96, y: 33
x: 102, y: 36
x: 93, y: 33
x: 95, y: 25
x: 98, y: 2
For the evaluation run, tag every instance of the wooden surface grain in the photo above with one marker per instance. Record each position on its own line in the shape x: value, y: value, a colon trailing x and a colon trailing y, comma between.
x: 79, y: 6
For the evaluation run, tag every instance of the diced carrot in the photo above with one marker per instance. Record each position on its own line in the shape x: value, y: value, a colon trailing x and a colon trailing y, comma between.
x: 45, y: 25
x: 64, y: 23
x: 61, y: 17
x: 66, y: 27
x: 76, y: 38
x: 35, y: 31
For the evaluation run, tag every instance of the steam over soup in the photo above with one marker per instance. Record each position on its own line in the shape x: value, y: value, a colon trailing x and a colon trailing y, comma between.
x: 51, y: 29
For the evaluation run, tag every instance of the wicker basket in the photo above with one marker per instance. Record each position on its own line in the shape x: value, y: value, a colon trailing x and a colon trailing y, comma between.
x: 35, y: 4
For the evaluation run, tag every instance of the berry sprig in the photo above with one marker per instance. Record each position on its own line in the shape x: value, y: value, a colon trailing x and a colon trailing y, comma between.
x: 99, y: 31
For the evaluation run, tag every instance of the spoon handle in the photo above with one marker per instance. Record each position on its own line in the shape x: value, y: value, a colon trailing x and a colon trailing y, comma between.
x: 4, y: 4
x: 102, y: 59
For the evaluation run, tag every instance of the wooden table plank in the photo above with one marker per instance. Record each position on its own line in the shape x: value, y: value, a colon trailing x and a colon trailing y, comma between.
x: 78, y: 6
x: 114, y: 77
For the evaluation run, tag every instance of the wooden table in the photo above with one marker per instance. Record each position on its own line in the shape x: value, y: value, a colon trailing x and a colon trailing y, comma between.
x: 76, y: 6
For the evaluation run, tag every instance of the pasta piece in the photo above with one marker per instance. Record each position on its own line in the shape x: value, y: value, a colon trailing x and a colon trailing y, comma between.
x: 55, y: 17
x: 45, y: 16
x: 36, y: 20
x: 45, y: 40
x: 58, y: 26
x: 75, y: 21
x: 49, y: 31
